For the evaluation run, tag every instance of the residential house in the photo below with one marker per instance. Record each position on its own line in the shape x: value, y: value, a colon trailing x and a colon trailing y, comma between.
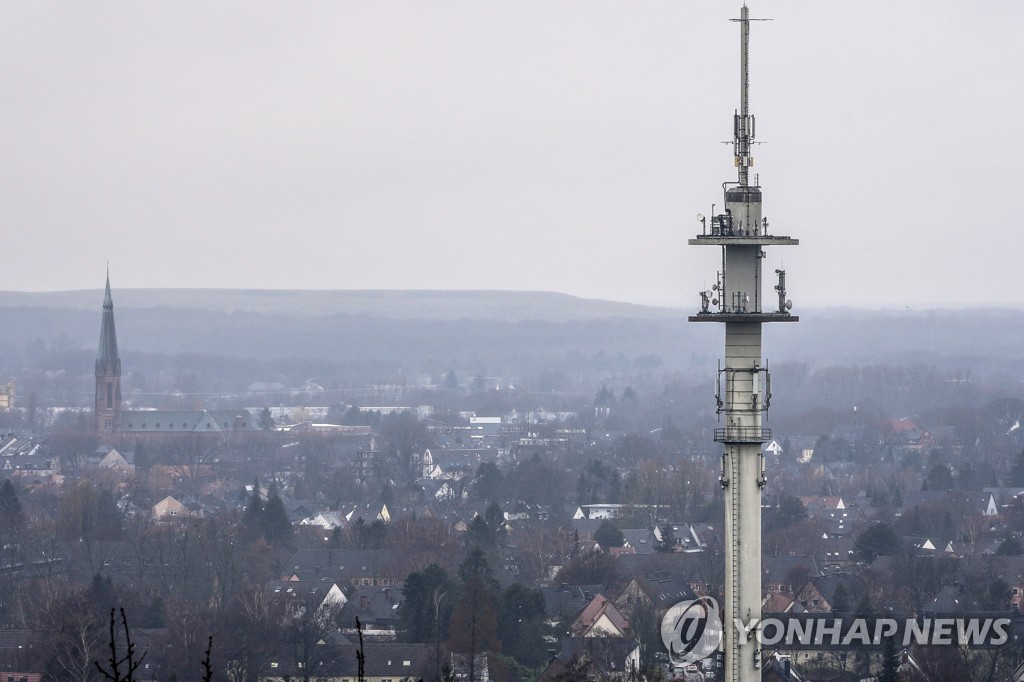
x: 328, y: 520
x: 641, y: 540
x: 659, y: 590
x: 803, y: 447
x: 600, y: 618
x: 568, y: 601
x: 594, y: 658
x: 27, y: 459
x: 169, y: 509
x: 823, y: 505
x: 376, y: 607
x: 786, y: 574
x: 382, y: 662
x: 343, y: 566
x: 306, y: 595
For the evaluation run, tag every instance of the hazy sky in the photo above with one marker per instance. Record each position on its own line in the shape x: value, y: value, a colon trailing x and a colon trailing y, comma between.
x: 545, y: 145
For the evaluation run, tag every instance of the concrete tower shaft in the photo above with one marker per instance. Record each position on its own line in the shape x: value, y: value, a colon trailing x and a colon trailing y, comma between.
x: 744, y: 387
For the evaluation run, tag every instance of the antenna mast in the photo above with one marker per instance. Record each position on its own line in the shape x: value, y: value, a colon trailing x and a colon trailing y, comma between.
x: 743, y: 123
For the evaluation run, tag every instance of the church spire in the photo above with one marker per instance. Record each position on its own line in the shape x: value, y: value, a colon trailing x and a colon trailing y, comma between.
x: 108, y: 302
x: 107, y: 359
x: 108, y: 369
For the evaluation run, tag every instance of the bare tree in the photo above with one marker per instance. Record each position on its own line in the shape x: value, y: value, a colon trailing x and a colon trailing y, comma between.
x: 306, y: 634
x: 68, y: 630
x: 253, y: 625
x: 127, y: 660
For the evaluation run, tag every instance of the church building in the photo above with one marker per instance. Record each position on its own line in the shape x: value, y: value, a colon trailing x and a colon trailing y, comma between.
x: 113, y: 422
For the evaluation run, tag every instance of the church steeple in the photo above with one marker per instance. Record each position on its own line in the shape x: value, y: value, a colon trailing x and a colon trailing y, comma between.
x: 108, y: 370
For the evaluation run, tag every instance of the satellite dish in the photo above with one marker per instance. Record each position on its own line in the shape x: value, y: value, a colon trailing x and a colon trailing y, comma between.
x: 714, y: 301
x: 700, y: 217
x: 747, y: 299
x: 789, y: 305
x: 714, y: 287
x: 707, y: 293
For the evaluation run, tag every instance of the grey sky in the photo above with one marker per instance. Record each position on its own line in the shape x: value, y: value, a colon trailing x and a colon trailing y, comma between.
x: 520, y: 145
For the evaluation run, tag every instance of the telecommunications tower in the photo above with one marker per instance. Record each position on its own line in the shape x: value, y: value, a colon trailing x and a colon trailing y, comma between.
x: 744, y: 385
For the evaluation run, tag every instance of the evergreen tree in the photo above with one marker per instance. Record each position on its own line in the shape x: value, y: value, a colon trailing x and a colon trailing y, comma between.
x: 109, y: 519
x: 155, y: 614
x: 450, y: 382
x: 608, y: 535
x: 254, y: 510
x: 841, y: 599
x: 1010, y: 547
x: 479, y: 534
x: 879, y: 539
x: 11, y: 515
x: 427, y: 597
x: 668, y: 539
x: 862, y: 657
x: 489, y: 481
x: 521, y: 625
x: 1016, y: 475
x: 143, y: 460
x: 476, y: 564
x: 495, y: 518
x: 274, y: 523
x: 266, y: 420
x: 940, y: 477
x: 790, y: 510
x: 890, y: 661
x: 604, y: 398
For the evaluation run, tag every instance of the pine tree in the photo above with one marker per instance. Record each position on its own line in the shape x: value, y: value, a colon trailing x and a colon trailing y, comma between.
x: 254, y: 510
x: 840, y: 599
x: 476, y: 565
x: 274, y: 523
x: 266, y: 420
x: 668, y: 539
x: 450, y: 382
x: 1016, y: 475
x: 11, y: 515
x: 479, y: 534
x: 862, y: 657
x: 890, y: 661
x: 495, y: 518
x: 608, y: 535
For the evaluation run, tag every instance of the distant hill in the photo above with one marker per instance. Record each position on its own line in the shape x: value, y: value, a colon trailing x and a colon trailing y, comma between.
x: 372, y: 332
x: 509, y: 306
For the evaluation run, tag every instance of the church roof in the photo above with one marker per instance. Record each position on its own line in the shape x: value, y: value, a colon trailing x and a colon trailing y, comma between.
x: 107, y: 359
x: 199, y: 421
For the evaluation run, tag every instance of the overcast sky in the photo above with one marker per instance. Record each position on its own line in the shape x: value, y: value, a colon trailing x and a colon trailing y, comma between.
x: 548, y: 145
